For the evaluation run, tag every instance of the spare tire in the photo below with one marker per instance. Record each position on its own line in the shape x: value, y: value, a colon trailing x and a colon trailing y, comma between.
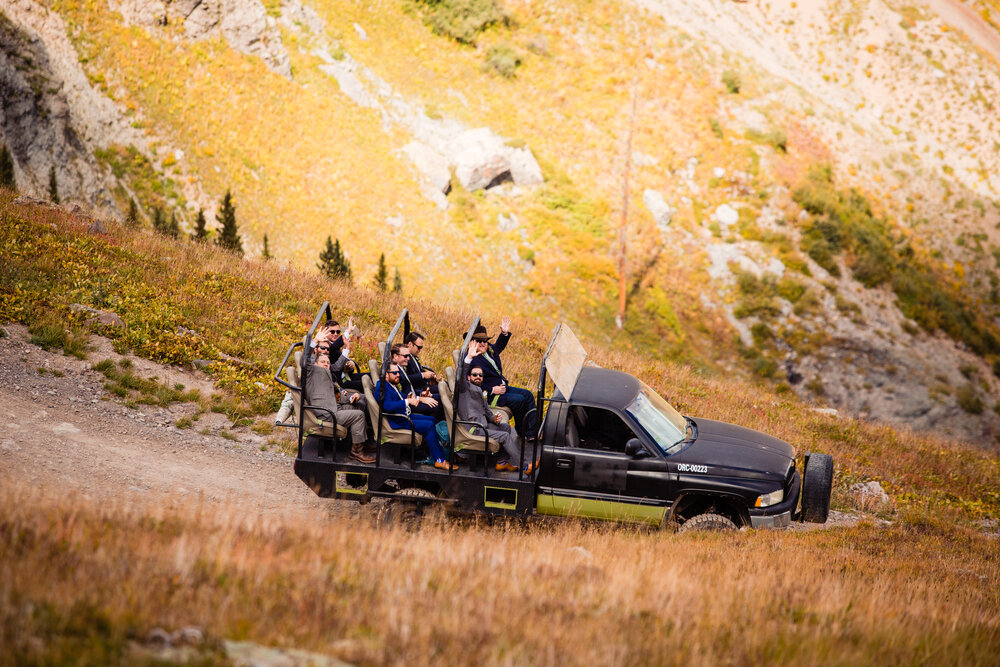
x: 817, y: 485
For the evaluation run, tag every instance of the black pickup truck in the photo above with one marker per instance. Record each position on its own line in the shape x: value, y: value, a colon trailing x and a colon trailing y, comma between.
x: 609, y: 447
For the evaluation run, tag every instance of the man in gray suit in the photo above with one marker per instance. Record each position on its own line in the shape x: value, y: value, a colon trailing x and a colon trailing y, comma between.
x: 322, y: 392
x: 472, y: 407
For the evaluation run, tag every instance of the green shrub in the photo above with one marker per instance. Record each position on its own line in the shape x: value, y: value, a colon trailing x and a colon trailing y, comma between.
x: 765, y: 368
x: 731, y: 80
x: 808, y: 303
x: 969, y: 400
x: 842, y: 221
x: 790, y: 289
x: 463, y: 20
x: 503, y: 60
x: 716, y: 127
x: 51, y: 331
x: 761, y: 333
x: 758, y: 296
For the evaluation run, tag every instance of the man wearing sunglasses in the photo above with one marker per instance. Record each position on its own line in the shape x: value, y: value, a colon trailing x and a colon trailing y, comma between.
x: 472, y: 406
x: 396, y: 403
x: 426, y: 404
x: 423, y: 379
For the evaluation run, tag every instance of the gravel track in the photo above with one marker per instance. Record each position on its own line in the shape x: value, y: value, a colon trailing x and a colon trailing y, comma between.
x: 61, y: 428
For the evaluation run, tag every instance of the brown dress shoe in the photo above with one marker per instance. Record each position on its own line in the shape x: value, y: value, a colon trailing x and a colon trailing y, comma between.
x: 358, y: 454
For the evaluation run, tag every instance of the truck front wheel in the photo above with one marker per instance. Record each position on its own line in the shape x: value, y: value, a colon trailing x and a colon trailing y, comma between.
x: 708, y: 522
x: 817, y: 484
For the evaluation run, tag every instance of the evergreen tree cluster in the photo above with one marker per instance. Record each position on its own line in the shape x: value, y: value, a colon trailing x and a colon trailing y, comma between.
x: 227, y: 236
x: 380, y: 281
x: 333, y: 262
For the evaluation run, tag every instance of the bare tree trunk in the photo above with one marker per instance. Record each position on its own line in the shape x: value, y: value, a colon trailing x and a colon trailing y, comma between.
x: 623, y: 224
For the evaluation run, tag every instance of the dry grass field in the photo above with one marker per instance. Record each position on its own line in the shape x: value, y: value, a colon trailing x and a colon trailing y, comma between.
x: 81, y: 579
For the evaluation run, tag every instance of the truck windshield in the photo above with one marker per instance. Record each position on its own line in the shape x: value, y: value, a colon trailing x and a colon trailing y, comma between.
x: 662, y: 422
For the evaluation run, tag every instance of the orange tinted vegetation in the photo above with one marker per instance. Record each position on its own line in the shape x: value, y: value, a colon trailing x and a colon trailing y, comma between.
x: 80, y: 578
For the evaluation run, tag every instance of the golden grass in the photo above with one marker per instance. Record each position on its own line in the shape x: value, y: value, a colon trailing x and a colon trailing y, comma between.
x: 539, y: 593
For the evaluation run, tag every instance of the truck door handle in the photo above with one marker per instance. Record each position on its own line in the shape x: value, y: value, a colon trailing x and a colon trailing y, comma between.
x: 564, y: 463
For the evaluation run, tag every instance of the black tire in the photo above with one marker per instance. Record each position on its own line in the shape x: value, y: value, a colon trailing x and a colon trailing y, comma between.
x: 715, y: 523
x: 817, y: 485
x: 405, y: 511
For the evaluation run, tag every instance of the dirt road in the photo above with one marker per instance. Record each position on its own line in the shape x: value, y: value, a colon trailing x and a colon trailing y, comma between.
x: 60, y: 429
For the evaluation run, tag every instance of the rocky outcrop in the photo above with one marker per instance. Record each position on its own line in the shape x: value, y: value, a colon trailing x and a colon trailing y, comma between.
x: 479, y: 157
x: 244, y: 24
x: 51, y: 117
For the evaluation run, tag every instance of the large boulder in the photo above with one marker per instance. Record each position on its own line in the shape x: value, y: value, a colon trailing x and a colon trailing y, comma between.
x: 524, y: 168
x: 870, y: 496
x: 432, y: 165
x: 480, y: 158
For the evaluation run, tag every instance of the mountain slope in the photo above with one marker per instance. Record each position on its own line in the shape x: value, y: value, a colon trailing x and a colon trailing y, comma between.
x: 736, y: 104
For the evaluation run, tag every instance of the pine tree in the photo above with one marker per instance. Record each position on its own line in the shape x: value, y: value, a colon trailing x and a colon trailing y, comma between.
x: 7, y: 169
x: 229, y: 237
x: 132, y: 217
x: 332, y: 262
x: 267, y: 252
x: 381, y: 274
x: 173, y: 228
x: 397, y: 282
x: 200, y: 233
x: 53, y: 186
x: 159, y: 224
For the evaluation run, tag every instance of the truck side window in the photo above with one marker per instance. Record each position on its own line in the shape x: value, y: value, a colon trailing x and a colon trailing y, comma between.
x: 600, y: 429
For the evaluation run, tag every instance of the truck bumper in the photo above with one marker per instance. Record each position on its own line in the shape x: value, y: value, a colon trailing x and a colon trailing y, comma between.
x: 775, y: 521
x: 780, y: 515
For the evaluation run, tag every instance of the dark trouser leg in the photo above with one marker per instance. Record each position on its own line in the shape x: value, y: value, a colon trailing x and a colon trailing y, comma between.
x: 424, y: 409
x: 424, y: 425
x: 522, y: 404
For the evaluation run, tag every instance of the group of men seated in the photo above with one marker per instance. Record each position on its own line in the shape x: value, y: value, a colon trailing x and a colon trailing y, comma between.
x: 412, y: 394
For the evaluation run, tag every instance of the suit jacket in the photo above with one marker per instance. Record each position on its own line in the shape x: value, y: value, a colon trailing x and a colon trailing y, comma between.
x: 414, y: 373
x: 321, y: 391
x: 492, y: 372
x: 472, y: 405
x: 394, y: 402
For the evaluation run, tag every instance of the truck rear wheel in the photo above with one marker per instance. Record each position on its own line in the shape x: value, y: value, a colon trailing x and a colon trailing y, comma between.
x: 406, y: 510
x: 817, y: 485
x: 709, y: 523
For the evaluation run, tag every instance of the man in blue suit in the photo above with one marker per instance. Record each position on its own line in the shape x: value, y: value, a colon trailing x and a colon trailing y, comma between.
x: 499, y: 393
x: 395, y: 402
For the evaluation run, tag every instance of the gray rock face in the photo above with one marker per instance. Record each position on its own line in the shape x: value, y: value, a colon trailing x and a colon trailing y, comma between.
x: 244, y: 24
x: 51, y: 117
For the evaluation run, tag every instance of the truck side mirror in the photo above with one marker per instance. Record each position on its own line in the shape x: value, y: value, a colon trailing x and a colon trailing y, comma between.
x: 635, y: 449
